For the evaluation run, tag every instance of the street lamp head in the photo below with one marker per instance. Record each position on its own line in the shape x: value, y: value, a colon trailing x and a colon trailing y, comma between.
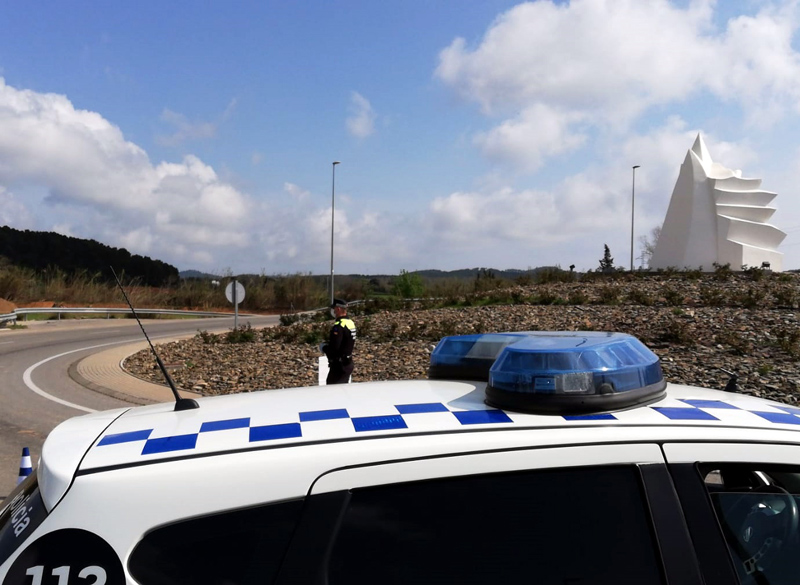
x: 636, y: 166
x: 336, y: 162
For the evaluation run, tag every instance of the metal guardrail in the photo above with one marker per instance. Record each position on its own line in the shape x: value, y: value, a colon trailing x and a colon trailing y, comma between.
x: 13, y: 317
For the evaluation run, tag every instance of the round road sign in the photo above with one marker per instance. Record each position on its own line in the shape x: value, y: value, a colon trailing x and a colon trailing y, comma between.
x: 239, y: 292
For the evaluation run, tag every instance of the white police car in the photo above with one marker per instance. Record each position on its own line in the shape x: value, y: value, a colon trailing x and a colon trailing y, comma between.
x: 576, y: 463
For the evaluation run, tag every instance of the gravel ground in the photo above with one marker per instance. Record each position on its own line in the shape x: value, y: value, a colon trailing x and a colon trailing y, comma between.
x: 698, y: 327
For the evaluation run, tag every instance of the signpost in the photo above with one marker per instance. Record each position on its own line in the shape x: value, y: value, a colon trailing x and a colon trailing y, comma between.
x: 234, y: 292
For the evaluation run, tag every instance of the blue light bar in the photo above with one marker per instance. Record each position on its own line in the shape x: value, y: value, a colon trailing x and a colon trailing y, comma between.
x: 554, y: 371
x: 469, y: 357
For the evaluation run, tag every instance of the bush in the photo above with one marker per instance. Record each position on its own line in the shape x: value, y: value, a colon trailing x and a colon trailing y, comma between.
x: 712, y: 296
x: 208, y: 338
x: 499, y: 297
x: 789, y: 340
x: 672, y: 297
x: 738, y: 344
x: 315, y: 335
x: 547, y: 297
x: 609, y: 295
x: 754, y: 272
x: 553, y: 274
x: 408, y: 285
x: 485, y: 280
x: 641, y: 297
x: 676, y: 331
x: 577, y: 297
x: 752, y: 298
x: 693, y: 273
x: 785, y: 296
x: 241, y: 334
x: 287, y: 320
x: 449, y: 290
x: 297, y: 292
x: 722, y: 271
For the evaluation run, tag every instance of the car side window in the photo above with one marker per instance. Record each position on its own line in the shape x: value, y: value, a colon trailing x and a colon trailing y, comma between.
x: 757, y: 509
x: 571, y: 525
x: 240, y: 547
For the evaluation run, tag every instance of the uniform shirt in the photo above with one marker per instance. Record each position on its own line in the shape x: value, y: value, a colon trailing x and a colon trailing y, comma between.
x: 341, y: 341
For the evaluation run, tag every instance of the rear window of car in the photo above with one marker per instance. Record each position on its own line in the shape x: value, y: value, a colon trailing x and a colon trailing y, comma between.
x: 20, y: 513
x: 580, y: 525
x: 240, y: 547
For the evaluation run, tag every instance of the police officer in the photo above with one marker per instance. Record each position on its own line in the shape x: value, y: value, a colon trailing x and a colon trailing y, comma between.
x: 339, y: 347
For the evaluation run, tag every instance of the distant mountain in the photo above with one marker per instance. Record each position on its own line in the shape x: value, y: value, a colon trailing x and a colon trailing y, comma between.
x: 432, y: 274
x: 197, y: 274
x: 469, y: 273
x: 45, y: 250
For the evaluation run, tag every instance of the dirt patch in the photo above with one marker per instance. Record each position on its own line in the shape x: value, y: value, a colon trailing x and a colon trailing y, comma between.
x: 6, y: 307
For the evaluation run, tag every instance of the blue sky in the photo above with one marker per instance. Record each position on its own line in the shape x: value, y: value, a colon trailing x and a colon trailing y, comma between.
x: 470, y: 134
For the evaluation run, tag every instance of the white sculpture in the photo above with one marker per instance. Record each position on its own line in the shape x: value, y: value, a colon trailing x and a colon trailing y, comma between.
x: 717, y: 216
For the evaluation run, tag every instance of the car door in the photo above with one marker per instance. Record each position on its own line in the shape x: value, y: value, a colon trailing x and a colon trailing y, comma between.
x: 741, y: 505
x: 584, y: 514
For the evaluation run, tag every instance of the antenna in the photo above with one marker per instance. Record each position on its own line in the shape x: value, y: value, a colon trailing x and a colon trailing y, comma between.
x: 731, y: 386
x: 180, y: 403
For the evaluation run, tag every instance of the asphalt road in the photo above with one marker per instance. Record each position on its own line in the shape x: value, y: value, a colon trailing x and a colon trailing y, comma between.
x: 43, y: 353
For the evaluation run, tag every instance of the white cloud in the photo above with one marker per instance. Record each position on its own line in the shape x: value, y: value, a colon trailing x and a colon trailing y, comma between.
x: 105, y: 187
x: 539, y: 131
x: 12, y: 211
x: 186, y: 131
x: 300, y: 235
x: 296, y: 192
x: 361, y: 122
x: 230, y: 109
x: 475, y: 219
x: 600, y: 64
x: 95, y: 184
x: 584, y: 209
x: 101, y: 186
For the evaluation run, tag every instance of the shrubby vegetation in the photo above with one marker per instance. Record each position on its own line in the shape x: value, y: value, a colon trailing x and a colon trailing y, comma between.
x: 291, y: 294
x: 23, y: 286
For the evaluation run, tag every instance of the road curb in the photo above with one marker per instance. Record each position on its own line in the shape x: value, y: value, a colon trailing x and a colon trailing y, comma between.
x: 102, y: 372
x: 76, y: 376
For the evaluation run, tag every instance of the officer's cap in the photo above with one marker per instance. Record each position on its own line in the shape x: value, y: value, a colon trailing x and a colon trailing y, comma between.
x: 338, y: 303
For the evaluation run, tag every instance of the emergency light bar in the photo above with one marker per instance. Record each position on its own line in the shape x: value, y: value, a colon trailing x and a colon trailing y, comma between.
x: 469, y: 357
x: 554, y: 371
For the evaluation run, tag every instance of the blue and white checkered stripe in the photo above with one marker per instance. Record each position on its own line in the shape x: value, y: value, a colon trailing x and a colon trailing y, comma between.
x: 681, y: 410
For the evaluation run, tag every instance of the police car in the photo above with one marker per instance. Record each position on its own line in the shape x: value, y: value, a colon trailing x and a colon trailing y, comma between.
x: 539, y: 457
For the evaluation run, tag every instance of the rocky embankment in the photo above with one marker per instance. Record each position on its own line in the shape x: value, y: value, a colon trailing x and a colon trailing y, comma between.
x: 743, y: 323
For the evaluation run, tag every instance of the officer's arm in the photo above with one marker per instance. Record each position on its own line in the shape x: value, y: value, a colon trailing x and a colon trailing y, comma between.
x: 334, y: 342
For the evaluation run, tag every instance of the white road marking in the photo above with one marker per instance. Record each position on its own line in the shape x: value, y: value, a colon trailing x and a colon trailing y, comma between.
x: 26, y: 376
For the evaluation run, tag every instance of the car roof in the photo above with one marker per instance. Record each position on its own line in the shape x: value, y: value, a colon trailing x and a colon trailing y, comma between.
x: 367, y: 410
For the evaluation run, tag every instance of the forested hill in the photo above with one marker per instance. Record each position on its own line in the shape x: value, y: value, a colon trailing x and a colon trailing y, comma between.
x: 41, y: 250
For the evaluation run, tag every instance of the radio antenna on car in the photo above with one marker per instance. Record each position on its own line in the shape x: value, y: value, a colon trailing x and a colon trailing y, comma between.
x: 180, y: 403
x: 731, y: 386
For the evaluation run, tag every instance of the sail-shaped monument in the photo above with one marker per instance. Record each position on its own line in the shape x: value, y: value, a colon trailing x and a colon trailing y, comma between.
x: 717, y: 216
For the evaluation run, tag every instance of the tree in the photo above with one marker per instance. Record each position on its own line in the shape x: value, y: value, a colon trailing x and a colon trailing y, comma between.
x: 648, y: 244
x: 408, y: 286
x: 606, y: 262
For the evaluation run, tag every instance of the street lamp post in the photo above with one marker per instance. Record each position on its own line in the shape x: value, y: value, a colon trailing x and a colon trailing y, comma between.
x: 333, y: 202
x: 633, y: 201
